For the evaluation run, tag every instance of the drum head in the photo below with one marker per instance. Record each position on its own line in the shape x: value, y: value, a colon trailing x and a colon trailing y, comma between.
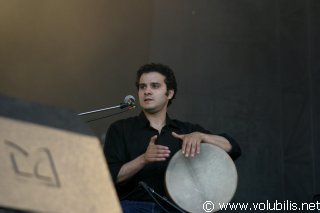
x: 201, y: 182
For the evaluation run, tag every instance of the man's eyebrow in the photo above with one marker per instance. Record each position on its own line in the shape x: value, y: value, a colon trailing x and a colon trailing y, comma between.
x: 155, y: 82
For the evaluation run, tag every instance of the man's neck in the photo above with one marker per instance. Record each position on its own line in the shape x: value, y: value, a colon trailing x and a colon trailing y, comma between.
x: 157, y: 120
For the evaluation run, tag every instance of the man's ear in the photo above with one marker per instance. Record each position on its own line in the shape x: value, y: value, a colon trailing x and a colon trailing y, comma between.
x: 170, y: 93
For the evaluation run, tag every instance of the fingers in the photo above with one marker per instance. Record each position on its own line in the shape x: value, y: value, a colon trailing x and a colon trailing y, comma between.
x: 156, y: 152
x: 159, y: 156
x: 153, y: 139
x: 190, y: 148
x: 159, y: 148
x: 185, y: 148
x: 190, y: 143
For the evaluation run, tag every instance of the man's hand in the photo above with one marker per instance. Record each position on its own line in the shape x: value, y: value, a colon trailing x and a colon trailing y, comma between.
x: 156, y: 152
x: 153, y: 153
x: 190, y: 143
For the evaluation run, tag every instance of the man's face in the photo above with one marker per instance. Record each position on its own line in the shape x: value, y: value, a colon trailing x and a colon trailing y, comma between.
x: 152, y: 92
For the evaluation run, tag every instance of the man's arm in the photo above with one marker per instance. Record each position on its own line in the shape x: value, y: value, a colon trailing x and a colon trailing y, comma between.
x: 217, y: 140
x: 153, y: 153
x: 131, y: 168
x: 191, y: 142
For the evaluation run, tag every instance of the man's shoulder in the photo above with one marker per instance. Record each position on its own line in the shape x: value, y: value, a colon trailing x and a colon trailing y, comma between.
x: 181, y: 123
x: 187, y: 126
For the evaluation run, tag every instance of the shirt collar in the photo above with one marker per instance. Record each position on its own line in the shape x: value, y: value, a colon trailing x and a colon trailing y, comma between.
x: 144, y: 122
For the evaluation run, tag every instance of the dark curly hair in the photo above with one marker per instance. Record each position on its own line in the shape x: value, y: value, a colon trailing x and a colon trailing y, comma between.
x: 165, y: 70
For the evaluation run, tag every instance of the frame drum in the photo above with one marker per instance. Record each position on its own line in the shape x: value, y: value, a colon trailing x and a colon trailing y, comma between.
x: 210, y: 177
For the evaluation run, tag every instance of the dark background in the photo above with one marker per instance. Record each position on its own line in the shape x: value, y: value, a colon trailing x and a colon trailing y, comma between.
x: 247, y: 67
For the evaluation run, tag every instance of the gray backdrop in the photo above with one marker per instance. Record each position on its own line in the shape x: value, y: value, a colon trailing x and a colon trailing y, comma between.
x: 246, y: 67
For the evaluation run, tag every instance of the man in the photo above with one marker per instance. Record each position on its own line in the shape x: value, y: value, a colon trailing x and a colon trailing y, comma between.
x: 139, y: 148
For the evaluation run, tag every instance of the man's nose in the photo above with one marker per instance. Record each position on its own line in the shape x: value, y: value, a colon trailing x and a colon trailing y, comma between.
x: 147, y: 91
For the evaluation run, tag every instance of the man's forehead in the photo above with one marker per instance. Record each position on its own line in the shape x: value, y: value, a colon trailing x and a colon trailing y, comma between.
x: 152, y: 77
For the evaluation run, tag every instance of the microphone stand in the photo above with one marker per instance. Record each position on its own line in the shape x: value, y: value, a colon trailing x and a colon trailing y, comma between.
x: 121, y: 106
x: 152, y: 191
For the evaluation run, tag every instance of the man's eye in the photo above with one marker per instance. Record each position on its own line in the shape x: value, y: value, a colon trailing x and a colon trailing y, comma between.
x: 155, y: 85
x: 142, y: 86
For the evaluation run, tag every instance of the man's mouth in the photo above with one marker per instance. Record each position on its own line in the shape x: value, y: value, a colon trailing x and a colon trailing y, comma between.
x: 148, y: 99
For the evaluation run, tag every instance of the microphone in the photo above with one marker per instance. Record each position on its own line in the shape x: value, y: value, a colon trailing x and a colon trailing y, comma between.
x: 129, y: 101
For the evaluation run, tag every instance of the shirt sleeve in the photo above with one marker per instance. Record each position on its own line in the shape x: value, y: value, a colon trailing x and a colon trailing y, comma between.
x: 235, y: 151
x: 114, y: 149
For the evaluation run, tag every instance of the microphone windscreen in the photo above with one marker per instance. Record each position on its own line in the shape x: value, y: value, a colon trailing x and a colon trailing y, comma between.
x: 129, y: 98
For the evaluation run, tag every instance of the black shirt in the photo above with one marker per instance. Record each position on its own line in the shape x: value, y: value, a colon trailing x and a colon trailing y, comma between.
x: 129, y: 138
